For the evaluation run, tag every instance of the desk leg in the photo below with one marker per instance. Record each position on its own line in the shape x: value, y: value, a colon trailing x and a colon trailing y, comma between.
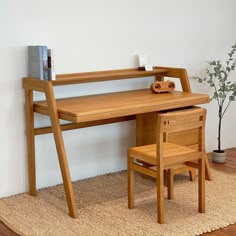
x: 29, y: 119
x: 208, y: 170
x: 56, y: 128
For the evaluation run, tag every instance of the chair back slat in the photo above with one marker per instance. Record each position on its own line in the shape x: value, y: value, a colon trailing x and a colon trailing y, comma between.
x: 171, y: 128
x: 181, y: 120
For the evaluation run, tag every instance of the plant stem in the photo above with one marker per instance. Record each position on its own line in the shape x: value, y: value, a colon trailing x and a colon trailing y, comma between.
x: 217, y: 98
x: 219, y: 128
x: 225, y: 109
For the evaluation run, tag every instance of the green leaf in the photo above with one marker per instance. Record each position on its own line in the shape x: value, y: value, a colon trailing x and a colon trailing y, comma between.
x: 212, y: 63
x: 221, y: 95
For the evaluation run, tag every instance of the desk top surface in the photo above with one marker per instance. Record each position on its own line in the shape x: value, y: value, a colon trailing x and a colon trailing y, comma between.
x: 118, y: 104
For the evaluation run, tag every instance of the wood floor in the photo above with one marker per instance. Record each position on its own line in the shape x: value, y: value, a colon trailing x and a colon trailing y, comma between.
x: 229, y: 167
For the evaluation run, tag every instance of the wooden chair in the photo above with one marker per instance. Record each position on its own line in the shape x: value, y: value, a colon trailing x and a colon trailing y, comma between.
x: 163, y: 155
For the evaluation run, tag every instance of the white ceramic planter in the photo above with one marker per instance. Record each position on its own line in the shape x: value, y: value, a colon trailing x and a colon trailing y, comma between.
x: 218, y: 157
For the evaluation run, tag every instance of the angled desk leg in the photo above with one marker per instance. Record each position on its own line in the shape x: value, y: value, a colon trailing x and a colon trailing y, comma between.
x: 208, y: 170
x: 29, y: 116
x: 56, y: 128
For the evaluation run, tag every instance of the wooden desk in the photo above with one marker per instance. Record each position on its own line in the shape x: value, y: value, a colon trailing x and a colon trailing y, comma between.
x: 99, y: 109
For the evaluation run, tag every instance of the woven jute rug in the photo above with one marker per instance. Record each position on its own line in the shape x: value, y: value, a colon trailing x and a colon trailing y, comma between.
x: 102, y: 208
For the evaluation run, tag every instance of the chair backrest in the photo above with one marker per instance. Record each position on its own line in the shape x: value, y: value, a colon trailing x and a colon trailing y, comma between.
x: 181, y: 120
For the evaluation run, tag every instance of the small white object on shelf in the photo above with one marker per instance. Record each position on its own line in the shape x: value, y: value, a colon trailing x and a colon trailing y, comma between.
x: 142, y: 60
x: 143, y: 63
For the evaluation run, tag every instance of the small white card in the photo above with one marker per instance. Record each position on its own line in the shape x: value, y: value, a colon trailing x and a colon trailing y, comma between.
x: 143, y: 60
x: 148, y: 68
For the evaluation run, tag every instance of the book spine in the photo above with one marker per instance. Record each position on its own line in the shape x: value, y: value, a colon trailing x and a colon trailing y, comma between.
x: 51, y: 70
x: 40, y: 59
x: 38, y: 65
x: 35, y: 68
x: 45, y: 62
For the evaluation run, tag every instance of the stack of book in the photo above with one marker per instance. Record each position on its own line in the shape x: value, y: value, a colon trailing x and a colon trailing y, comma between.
x: 41, y: 63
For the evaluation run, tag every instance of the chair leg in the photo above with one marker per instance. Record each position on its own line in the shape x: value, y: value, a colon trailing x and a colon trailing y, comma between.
x: 160, y: 197
x: 192, y: 175
x: 201, y: 185
x: 170, y: 190
x: 130, y: 183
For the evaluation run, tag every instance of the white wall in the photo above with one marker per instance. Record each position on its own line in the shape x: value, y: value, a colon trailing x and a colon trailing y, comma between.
x: 99, y: 35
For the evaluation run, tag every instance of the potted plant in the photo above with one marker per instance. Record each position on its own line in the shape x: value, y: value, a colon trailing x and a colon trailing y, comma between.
x: 224, y: 92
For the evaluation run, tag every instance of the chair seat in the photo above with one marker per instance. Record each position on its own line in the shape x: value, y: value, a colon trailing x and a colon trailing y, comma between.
x: 171, y: 151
